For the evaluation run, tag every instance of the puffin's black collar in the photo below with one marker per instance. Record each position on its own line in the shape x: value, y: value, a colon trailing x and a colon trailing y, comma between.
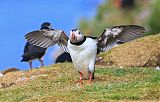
x: 80, y: 42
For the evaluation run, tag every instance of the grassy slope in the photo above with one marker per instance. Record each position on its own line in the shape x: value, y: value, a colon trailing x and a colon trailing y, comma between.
x: 57, y: 83
x: 141, y: 52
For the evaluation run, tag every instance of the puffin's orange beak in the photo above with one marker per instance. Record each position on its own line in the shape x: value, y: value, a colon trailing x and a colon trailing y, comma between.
x: 73, y: 36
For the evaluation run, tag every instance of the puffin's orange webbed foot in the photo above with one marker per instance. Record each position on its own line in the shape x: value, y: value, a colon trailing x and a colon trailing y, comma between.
x: 90, y: 77
x: 80, y: 78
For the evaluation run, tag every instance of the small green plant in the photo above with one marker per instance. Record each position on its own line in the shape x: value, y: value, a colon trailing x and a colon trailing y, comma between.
x: 154, y: 19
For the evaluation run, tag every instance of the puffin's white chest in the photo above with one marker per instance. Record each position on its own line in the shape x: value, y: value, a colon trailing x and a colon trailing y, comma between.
x: 83, y: 56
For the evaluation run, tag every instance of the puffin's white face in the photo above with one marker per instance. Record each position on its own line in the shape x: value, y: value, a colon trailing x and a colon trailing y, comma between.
x: 76, y: 36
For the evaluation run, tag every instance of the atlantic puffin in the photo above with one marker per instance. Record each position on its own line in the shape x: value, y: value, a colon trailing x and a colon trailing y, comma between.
x: 31, y: 51
x: 83, y: 49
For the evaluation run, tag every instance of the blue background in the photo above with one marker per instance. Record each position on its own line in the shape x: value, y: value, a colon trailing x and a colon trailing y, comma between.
x: 18, y: 17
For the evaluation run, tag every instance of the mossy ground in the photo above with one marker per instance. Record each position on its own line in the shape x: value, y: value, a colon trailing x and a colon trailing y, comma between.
x: 57, y: 83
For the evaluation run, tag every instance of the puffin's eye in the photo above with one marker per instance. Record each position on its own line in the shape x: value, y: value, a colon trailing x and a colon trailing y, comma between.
x: 79, y: 33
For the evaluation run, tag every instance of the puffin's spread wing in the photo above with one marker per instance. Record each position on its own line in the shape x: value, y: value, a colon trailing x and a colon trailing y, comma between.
x: 118, y: 34
x: 48, y: 38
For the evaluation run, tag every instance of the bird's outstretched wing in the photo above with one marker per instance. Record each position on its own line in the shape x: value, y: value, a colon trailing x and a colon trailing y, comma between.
x: 112, y: 36
x: 48, y: 38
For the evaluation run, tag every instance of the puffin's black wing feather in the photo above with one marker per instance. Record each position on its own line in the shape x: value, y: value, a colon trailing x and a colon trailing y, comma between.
x: 47, y: 38
x: 39, y: 37
x: 130, y: 32
x: 112, y: 36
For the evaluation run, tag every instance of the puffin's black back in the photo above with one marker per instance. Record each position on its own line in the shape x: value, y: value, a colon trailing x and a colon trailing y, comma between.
x: 64, y: 57
x: 33, y: 52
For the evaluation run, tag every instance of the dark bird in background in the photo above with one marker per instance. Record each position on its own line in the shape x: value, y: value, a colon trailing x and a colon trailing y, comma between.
x: 83, y: 49
x: 64, y: 57
x: 32, y: 52
x: 127, y: 4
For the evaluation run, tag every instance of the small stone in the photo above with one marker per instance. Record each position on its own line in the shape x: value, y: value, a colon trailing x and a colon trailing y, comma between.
x: 157, y: 68
x: 1, y: 75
